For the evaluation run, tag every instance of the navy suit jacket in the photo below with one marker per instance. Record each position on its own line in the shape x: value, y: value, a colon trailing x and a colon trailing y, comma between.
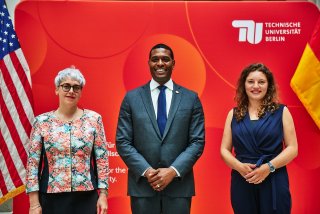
x: 140, y: 144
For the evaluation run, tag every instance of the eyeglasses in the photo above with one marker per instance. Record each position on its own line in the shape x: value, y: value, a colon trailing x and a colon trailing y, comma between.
x: 67, y: 87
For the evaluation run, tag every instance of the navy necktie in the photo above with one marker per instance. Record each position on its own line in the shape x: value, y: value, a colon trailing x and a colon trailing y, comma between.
x: 162, y: 109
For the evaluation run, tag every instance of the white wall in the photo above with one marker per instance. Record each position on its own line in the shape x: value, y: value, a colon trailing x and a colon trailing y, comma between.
x: 11, y: 4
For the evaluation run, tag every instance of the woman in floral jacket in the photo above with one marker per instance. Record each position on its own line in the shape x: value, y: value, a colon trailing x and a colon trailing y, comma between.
x: 68, y: 158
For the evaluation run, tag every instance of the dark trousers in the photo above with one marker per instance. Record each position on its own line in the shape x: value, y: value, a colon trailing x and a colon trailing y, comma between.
x: 69, y: 202
x: 160, y: 204
x: 272, y: 196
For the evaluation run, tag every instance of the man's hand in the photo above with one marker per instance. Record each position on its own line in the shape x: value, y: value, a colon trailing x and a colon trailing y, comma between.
x: 150, y: 174
x: 162, y: 179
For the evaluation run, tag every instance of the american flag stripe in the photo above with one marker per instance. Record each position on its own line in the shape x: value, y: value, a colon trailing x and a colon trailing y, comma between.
x: 5, y: 173
x: 17, y: 69
x: 14, y: 156
x: 13, y: 167
x: 25, y: 67
x: 13, y: 111
x: 16, y: 91
x: 4, y: 170
x: 16, y: 109
x: 3, y: 189
x: 11, y: 118
x: 12, y: 139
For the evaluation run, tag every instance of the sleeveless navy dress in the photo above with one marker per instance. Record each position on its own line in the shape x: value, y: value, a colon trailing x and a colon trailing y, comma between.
x: 257, y: 142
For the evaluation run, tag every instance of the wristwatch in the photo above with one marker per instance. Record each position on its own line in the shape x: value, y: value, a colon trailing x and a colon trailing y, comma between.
x: 272, y: 168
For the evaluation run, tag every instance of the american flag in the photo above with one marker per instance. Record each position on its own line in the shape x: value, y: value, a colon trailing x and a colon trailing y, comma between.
x: 16, y: 109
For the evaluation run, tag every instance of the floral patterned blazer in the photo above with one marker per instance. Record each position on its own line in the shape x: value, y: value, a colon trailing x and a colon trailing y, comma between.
x: 67, y: 156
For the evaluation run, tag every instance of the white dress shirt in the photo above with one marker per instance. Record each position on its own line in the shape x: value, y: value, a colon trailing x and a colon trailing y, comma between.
x: 155, y: 94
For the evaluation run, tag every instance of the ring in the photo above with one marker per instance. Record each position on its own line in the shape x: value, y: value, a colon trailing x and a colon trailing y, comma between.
x: 158, y: 186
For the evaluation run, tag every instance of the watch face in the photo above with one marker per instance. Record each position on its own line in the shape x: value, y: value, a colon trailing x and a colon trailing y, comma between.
x: 272, y: 169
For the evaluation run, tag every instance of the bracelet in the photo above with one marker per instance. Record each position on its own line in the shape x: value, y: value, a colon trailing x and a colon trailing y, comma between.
x: 35, y: 207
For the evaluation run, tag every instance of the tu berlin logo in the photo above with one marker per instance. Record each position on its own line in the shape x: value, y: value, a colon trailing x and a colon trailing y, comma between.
x: 249, y: 31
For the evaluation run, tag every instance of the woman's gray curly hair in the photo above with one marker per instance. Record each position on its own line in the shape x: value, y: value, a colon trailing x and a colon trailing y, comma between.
x: 72, y: 73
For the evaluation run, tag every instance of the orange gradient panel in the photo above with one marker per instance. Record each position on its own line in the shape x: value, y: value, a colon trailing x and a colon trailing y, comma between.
x: 109, y: 41
x: 35, y: 40
x: 90, y: 31
x: 189, y: 71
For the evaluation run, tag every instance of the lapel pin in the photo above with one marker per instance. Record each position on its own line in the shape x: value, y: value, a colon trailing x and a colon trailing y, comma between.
x: 177, y: 92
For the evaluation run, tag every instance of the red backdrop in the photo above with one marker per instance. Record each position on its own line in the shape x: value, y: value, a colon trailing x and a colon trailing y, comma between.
x: 110, y: 41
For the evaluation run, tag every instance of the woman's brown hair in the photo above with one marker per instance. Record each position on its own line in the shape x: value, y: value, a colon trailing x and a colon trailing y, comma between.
x: 269, y: 102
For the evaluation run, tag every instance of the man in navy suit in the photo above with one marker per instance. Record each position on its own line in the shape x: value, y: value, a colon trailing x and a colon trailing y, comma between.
x: 160, y: 141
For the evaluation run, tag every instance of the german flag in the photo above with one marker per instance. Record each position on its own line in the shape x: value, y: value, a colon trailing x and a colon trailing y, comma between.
x: 306, y: 79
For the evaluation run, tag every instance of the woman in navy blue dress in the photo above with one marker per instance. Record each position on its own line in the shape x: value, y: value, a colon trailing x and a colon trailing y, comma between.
x: 261, y: 132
